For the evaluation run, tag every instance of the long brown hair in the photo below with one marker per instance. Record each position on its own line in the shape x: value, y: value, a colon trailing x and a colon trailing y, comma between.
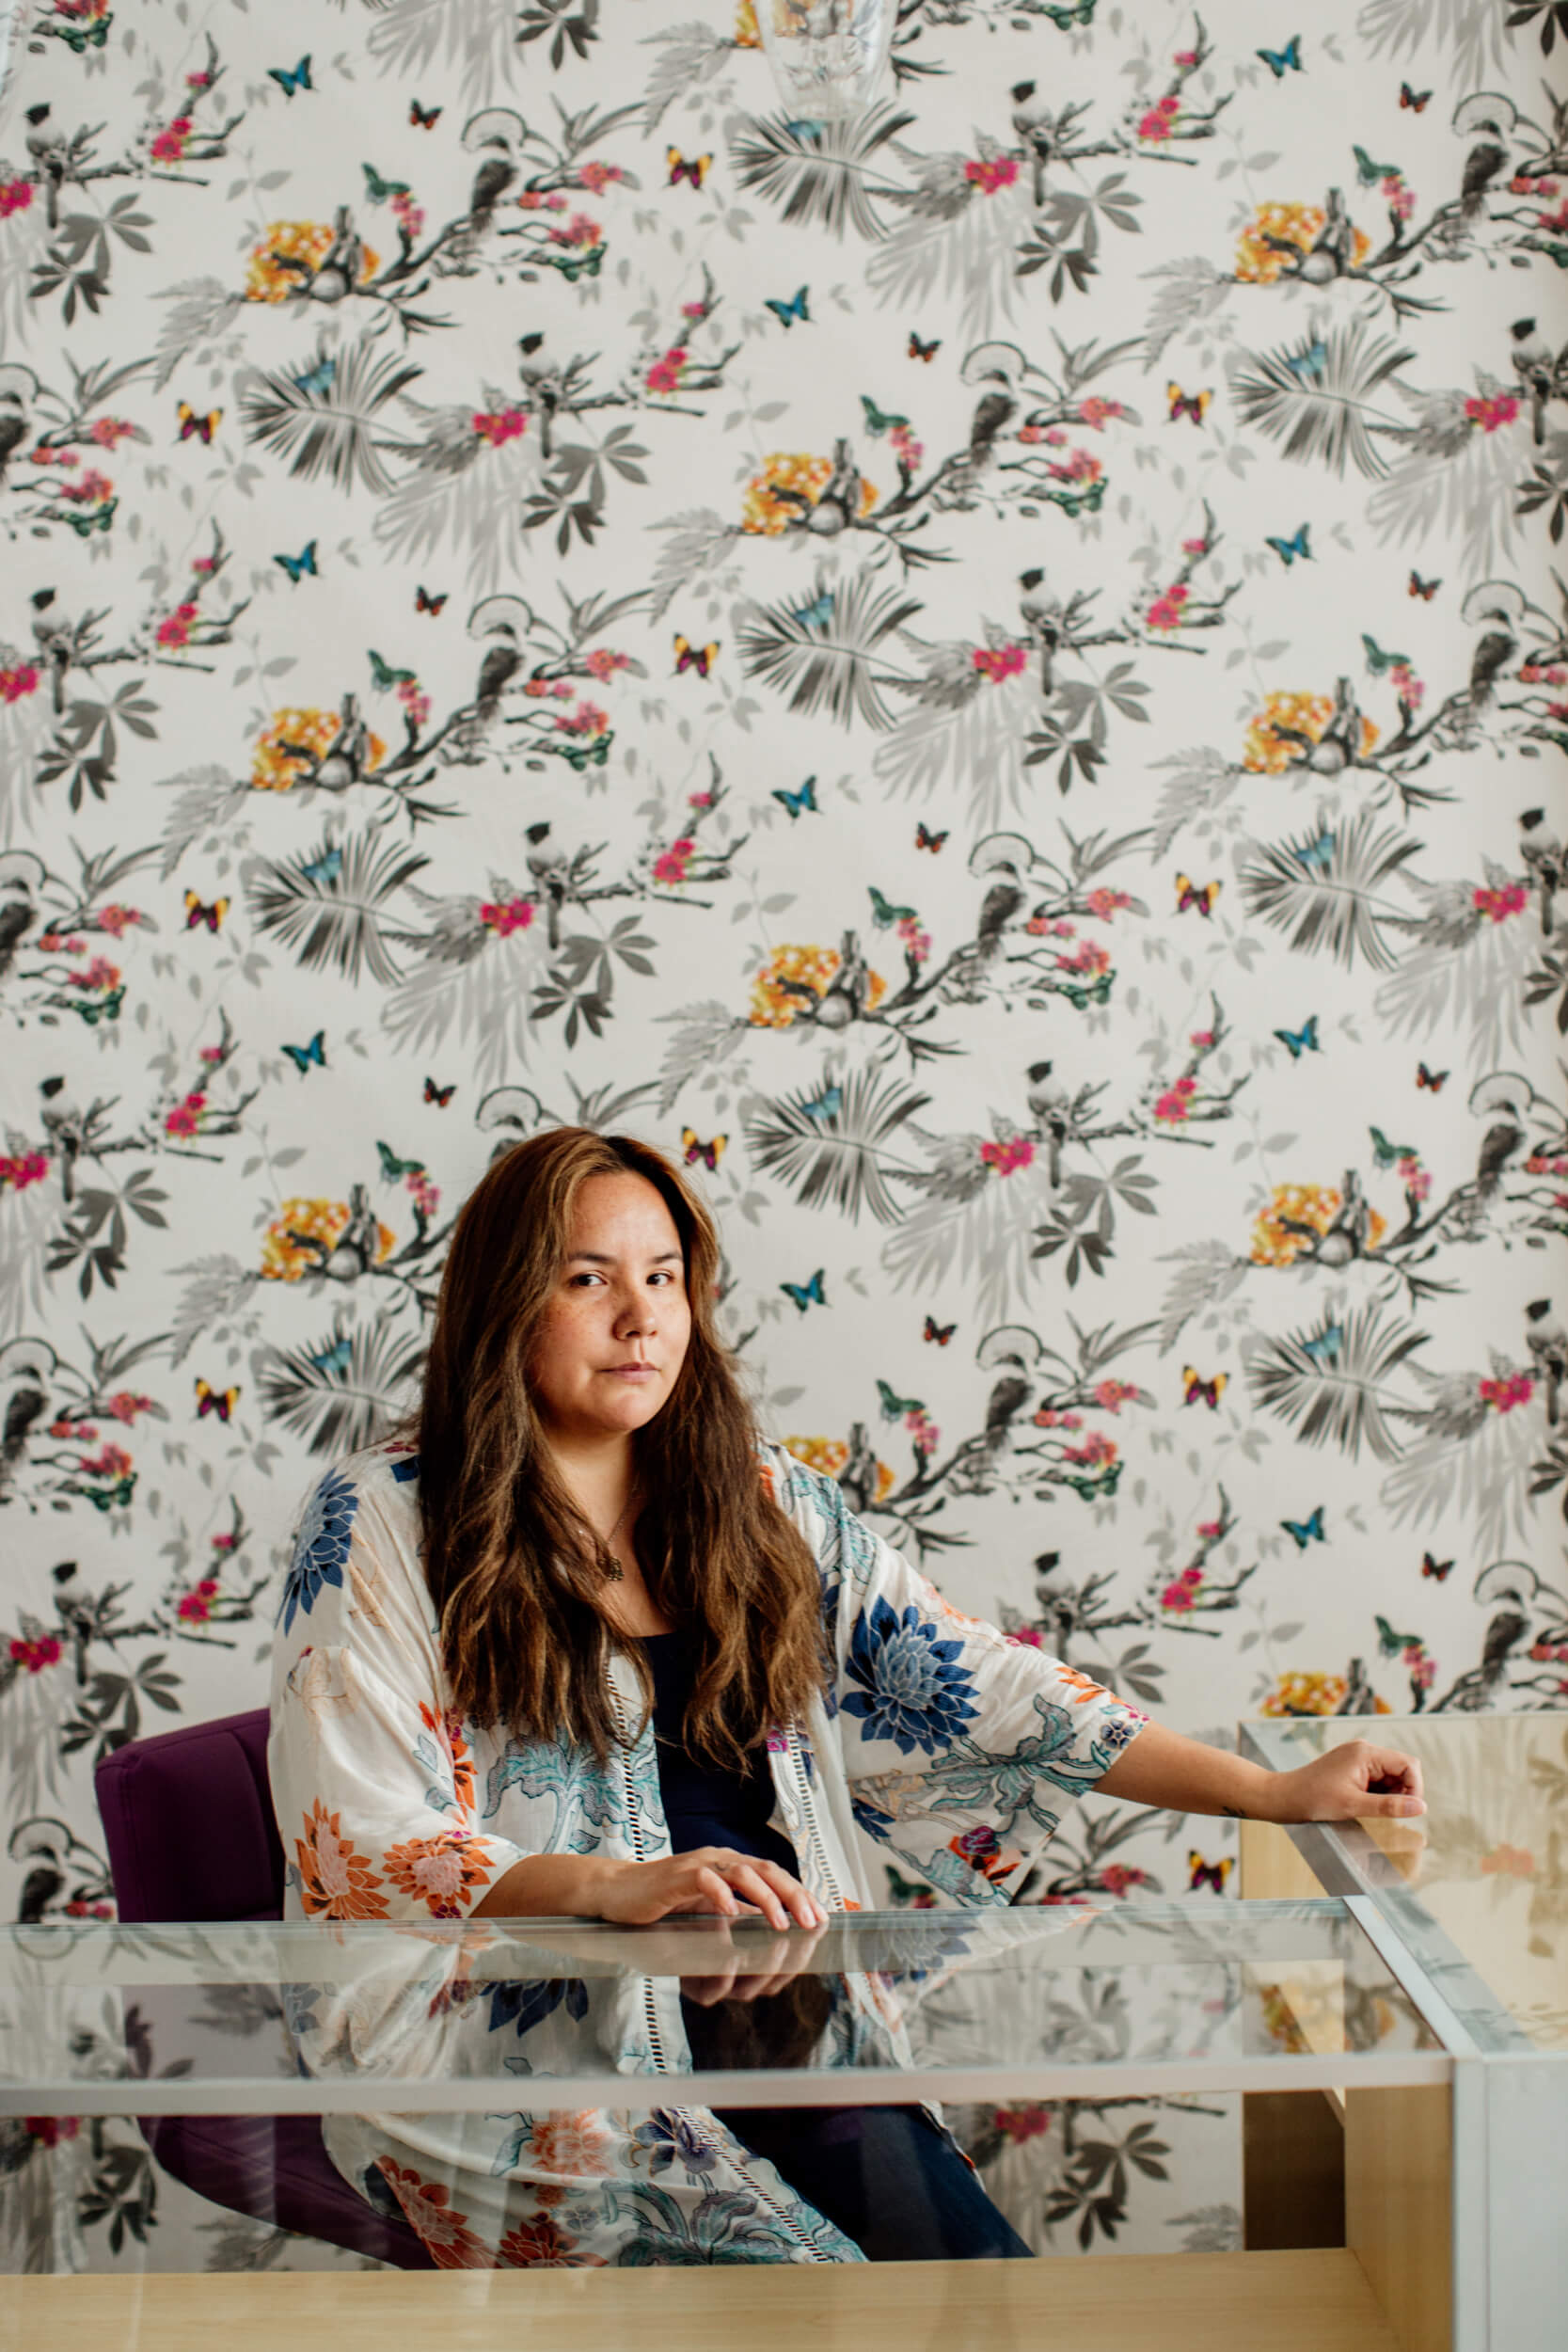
x: 517, y: 1578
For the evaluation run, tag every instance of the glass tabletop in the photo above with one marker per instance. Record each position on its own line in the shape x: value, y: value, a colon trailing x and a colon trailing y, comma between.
x: 1053, y: 2001
x: 1477, y: 1889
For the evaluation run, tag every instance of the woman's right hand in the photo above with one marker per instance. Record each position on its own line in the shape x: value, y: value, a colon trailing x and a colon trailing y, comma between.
x: 712, y: 1879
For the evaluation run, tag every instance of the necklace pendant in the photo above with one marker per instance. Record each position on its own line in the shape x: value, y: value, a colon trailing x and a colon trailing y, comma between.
x: 614, y: 1573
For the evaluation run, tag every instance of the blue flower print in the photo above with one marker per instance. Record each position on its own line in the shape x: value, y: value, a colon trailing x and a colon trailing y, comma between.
x: 320, y: 1547
x: 915, y: 1688
x: 672, y: 2137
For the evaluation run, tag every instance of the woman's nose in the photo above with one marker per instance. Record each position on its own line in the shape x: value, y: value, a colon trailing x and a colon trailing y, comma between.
x: 635, y: 1314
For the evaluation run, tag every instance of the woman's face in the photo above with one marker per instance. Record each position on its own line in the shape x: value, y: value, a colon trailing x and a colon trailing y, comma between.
x: 614, y: 1336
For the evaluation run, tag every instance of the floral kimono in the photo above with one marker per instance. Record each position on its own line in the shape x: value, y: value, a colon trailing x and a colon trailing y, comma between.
x: 938, y: 1735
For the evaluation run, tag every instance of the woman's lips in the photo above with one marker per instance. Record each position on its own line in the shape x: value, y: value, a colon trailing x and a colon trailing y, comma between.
x: 632, y: 1372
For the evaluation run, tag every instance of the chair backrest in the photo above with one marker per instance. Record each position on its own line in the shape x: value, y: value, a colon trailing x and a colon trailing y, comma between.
x: 189, y: 1823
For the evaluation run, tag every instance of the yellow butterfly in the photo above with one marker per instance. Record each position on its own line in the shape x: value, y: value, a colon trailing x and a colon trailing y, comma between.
x: 1194, y: 404
x: 196, y: 913
x: 190, y: 421
x: 1191, y: 894
x: 698, y: 658
x: 1195, y: 1386
x: 695, y: 1150
x: 219, y: 1401
x: 692, y: 167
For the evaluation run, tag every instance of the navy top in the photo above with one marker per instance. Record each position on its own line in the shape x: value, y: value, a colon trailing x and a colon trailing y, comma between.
x: 704, y: 1806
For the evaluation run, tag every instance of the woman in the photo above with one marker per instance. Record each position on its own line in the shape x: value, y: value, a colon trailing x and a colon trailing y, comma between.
x: 579, y: 1644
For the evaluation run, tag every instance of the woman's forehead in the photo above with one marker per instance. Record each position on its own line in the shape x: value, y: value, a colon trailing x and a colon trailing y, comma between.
x: 615, y: 1216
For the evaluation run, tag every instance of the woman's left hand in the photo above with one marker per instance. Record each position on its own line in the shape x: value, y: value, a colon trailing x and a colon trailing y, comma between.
x: 1358, y: 1782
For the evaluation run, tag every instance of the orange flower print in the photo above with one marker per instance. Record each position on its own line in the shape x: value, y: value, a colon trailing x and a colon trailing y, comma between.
x: 830, y: 1454
x: 1258, y: 263
x: 775, y: 992
x: 771, y: 517
x: 1270, y: 755
x: 335, y: 1881
x: 570, y: 2142
x: 543, y: 2244
x: 430, y: 2214
x: 440, y: 1870
x: 306, y: 243
x: 1081, y: 1684
x: 1312, y: 1694
x: 1274, y: 1241
x: 448, y: 1728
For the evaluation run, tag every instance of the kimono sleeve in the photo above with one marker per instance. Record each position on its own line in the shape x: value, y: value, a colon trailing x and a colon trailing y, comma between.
x: 371, y: 1779
x: 957, y: 1743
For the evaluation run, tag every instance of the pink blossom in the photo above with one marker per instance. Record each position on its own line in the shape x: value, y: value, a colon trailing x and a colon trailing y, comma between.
x: 1176, y: 1597
x: 1195, y: 546
x: 536, y: 200
x: 1103, y: 903
x: 587, y: 719
x: 36, y: 1655
x: 112, y: 1463
x: 1201, y: 1038
x: 18, y: 679
x: 693, y: 309
x: 1111, y: 1395
x: 92, y: 489
x: 22, y: 1168
x: 175, y: 630
x: 1005, y: 1157
x: 514, y: 915
x: 1210, y: 1531
x: 1094, y: 411
x: 1556, y: 221
x: 416, y: 704
x: 77, y: 1431
x: 1096, y: 1449
x: 991, y: 172
x: 1117, y: 1877
x: 109, y: 431
x: 1166, y: 612
x: 1175, y: 1103
x: 1023, y: 2124
x: 907, y: 451
x: 665, y: 375
x: 1415, y: 1178
x: 1516, y: 1387
x: 699, y: 800
x: 1494, y: 409
x: 15, y: 196
x: 1154, y: 125
x: 224, y: 1543
x: 211, y: 1053
x: 1511, y: 898
x: 1080, y: 467
x: 1089, y: 955
x: 917, y: 943
x: 45, y: 455
x: 99, y: 973
x: 169, y: 145
x: 579, y: 230
x: 1407, y: 686
x: 1538, y: 674
x: 1191, y: 1578
x: 922, y: 1430
x: 125, y: 1404
x: 186, y: 1119
x: 426, y: 1196
x: 999, y: 661
x: 671, y: 864
x: 596, y: 177
x: 1185, y: 58
x: 1028, y: 1637
x: 117, y: 919
x: 1401, y: 201
x: 503, y: 424
x: 1046, y: 1419
x: 603, y: 664
x: 1423, y: 1670
x: 194, y: 1608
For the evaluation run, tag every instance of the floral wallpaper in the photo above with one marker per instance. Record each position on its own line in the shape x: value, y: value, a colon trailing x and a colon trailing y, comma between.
x: 993, y: 676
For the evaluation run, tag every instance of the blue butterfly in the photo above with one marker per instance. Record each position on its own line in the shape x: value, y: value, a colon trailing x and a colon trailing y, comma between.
x: 1307, y: 1530
x: 298, y: 565
x: 288, y: 81
x: 1287, y: 549
x: 1319, y: 853
x: 817, y: 614
x: 318, y: 379
x: 797, y: 801
x: 826, y: 1104
x: 806, y: 1294
x: 1301, y: 1040
x: 1279, y: 62
x: 1326, y: 1346
x: 806, y: 128
x: 337, y: 1357
x: 303, y: 1056
x: 325, y: 869
x: 1310, y: 362
x: 788, y: 312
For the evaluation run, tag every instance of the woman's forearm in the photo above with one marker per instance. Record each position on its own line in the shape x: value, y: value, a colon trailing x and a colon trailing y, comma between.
x: 1162, y: 1768
x: 547, y: 1886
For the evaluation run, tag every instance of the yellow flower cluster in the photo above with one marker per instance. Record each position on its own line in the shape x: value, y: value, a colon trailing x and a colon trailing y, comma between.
x: 306, y: 241
x: 1308, y: 714
x: 1259, y: 265
x: 1312, y: 1694
x: 284, y: 1261
x: 1317, y: 1205
x: 746, y: 33
x: 272, y: 770
x: 829, y: 1456
x: 775, y: 1008
x: 770, y: 515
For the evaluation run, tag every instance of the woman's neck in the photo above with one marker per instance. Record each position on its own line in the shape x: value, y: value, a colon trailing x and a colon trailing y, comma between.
x: 598, y: 1479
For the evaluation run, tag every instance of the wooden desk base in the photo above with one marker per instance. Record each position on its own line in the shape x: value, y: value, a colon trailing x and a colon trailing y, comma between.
x: 1317, y: 2302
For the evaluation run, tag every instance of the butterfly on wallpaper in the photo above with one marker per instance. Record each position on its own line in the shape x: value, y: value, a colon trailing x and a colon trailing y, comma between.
x: 1189, y: 894
x: 384, y: 674
x: 806, y: 1294
x: 325, y: 869
x: 923, y: 839
x: 1417, y: 100
x: 219, y: 1401
x: 378, y: 189
x: 1386, y: 1154
x: 1318, y: 854
x: 1287, y: 549
x: 1324, y: 1345
x: 1425, y: 589
x: 691, y: 168
x: 1193, y: 404
x: 441, y: 1096
x: 424, y: 118
x: 303, y: 1056
x: 298, y: 565
x: 1389, y: 1642
x: 698, y: 658
x: 1430, y: 1078
x: 191, y: 422
x: 1193, y: 1386
x: 1370, y: 173
x: 392, y: 1168
x: 937, y: 1333
x: 1307, y: 365
x: 99, y: 520
x: 818, y: 614
x: 884, y: 913
x: 695, y: 1150
x: 1377, y: 660
x: 878, y: 420
x: 823, y: 1106
x: 1301, y: 1040
x: 290, y: 78
x: 1201, y: 1873
x: 788, y: 312
x: 806, y: 127
x: 1283, y: 61
x: 894, y: 1407
x: 334, y: 1359
x: 924, y: 351
x: 195, y: 913
x: 1438, y: 1569
x: 425, y: 602
x: 796, y: 803
x: 1305, y: 1532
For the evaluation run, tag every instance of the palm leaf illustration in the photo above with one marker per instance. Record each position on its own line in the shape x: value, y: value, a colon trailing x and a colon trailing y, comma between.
x: 338, y: 1413
x: 335, y: 923
x: 836, y: 1162
x: 331, y: 432
x: 832, y: 673
x: 1328, y: 418
x: 1339, y: 1402
x: 1333, y: 910
x: 818, y: 175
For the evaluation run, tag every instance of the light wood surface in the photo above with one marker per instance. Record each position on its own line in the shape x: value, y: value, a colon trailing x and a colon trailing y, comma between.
x: 1286, y: 2302
x: 1272, y: 1869
x: 1398, y: 2159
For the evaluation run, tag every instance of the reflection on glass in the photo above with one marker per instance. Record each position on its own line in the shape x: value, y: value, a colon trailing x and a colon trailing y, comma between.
x: 827, y: 55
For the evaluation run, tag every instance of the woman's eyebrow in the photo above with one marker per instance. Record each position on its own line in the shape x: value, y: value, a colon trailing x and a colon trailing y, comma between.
x: 597, y: 1257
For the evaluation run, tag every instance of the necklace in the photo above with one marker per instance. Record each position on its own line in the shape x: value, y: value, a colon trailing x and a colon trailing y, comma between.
x: 616, y: 1573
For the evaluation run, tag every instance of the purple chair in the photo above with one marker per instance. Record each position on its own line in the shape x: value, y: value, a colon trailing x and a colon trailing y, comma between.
x: 189, y: 1828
